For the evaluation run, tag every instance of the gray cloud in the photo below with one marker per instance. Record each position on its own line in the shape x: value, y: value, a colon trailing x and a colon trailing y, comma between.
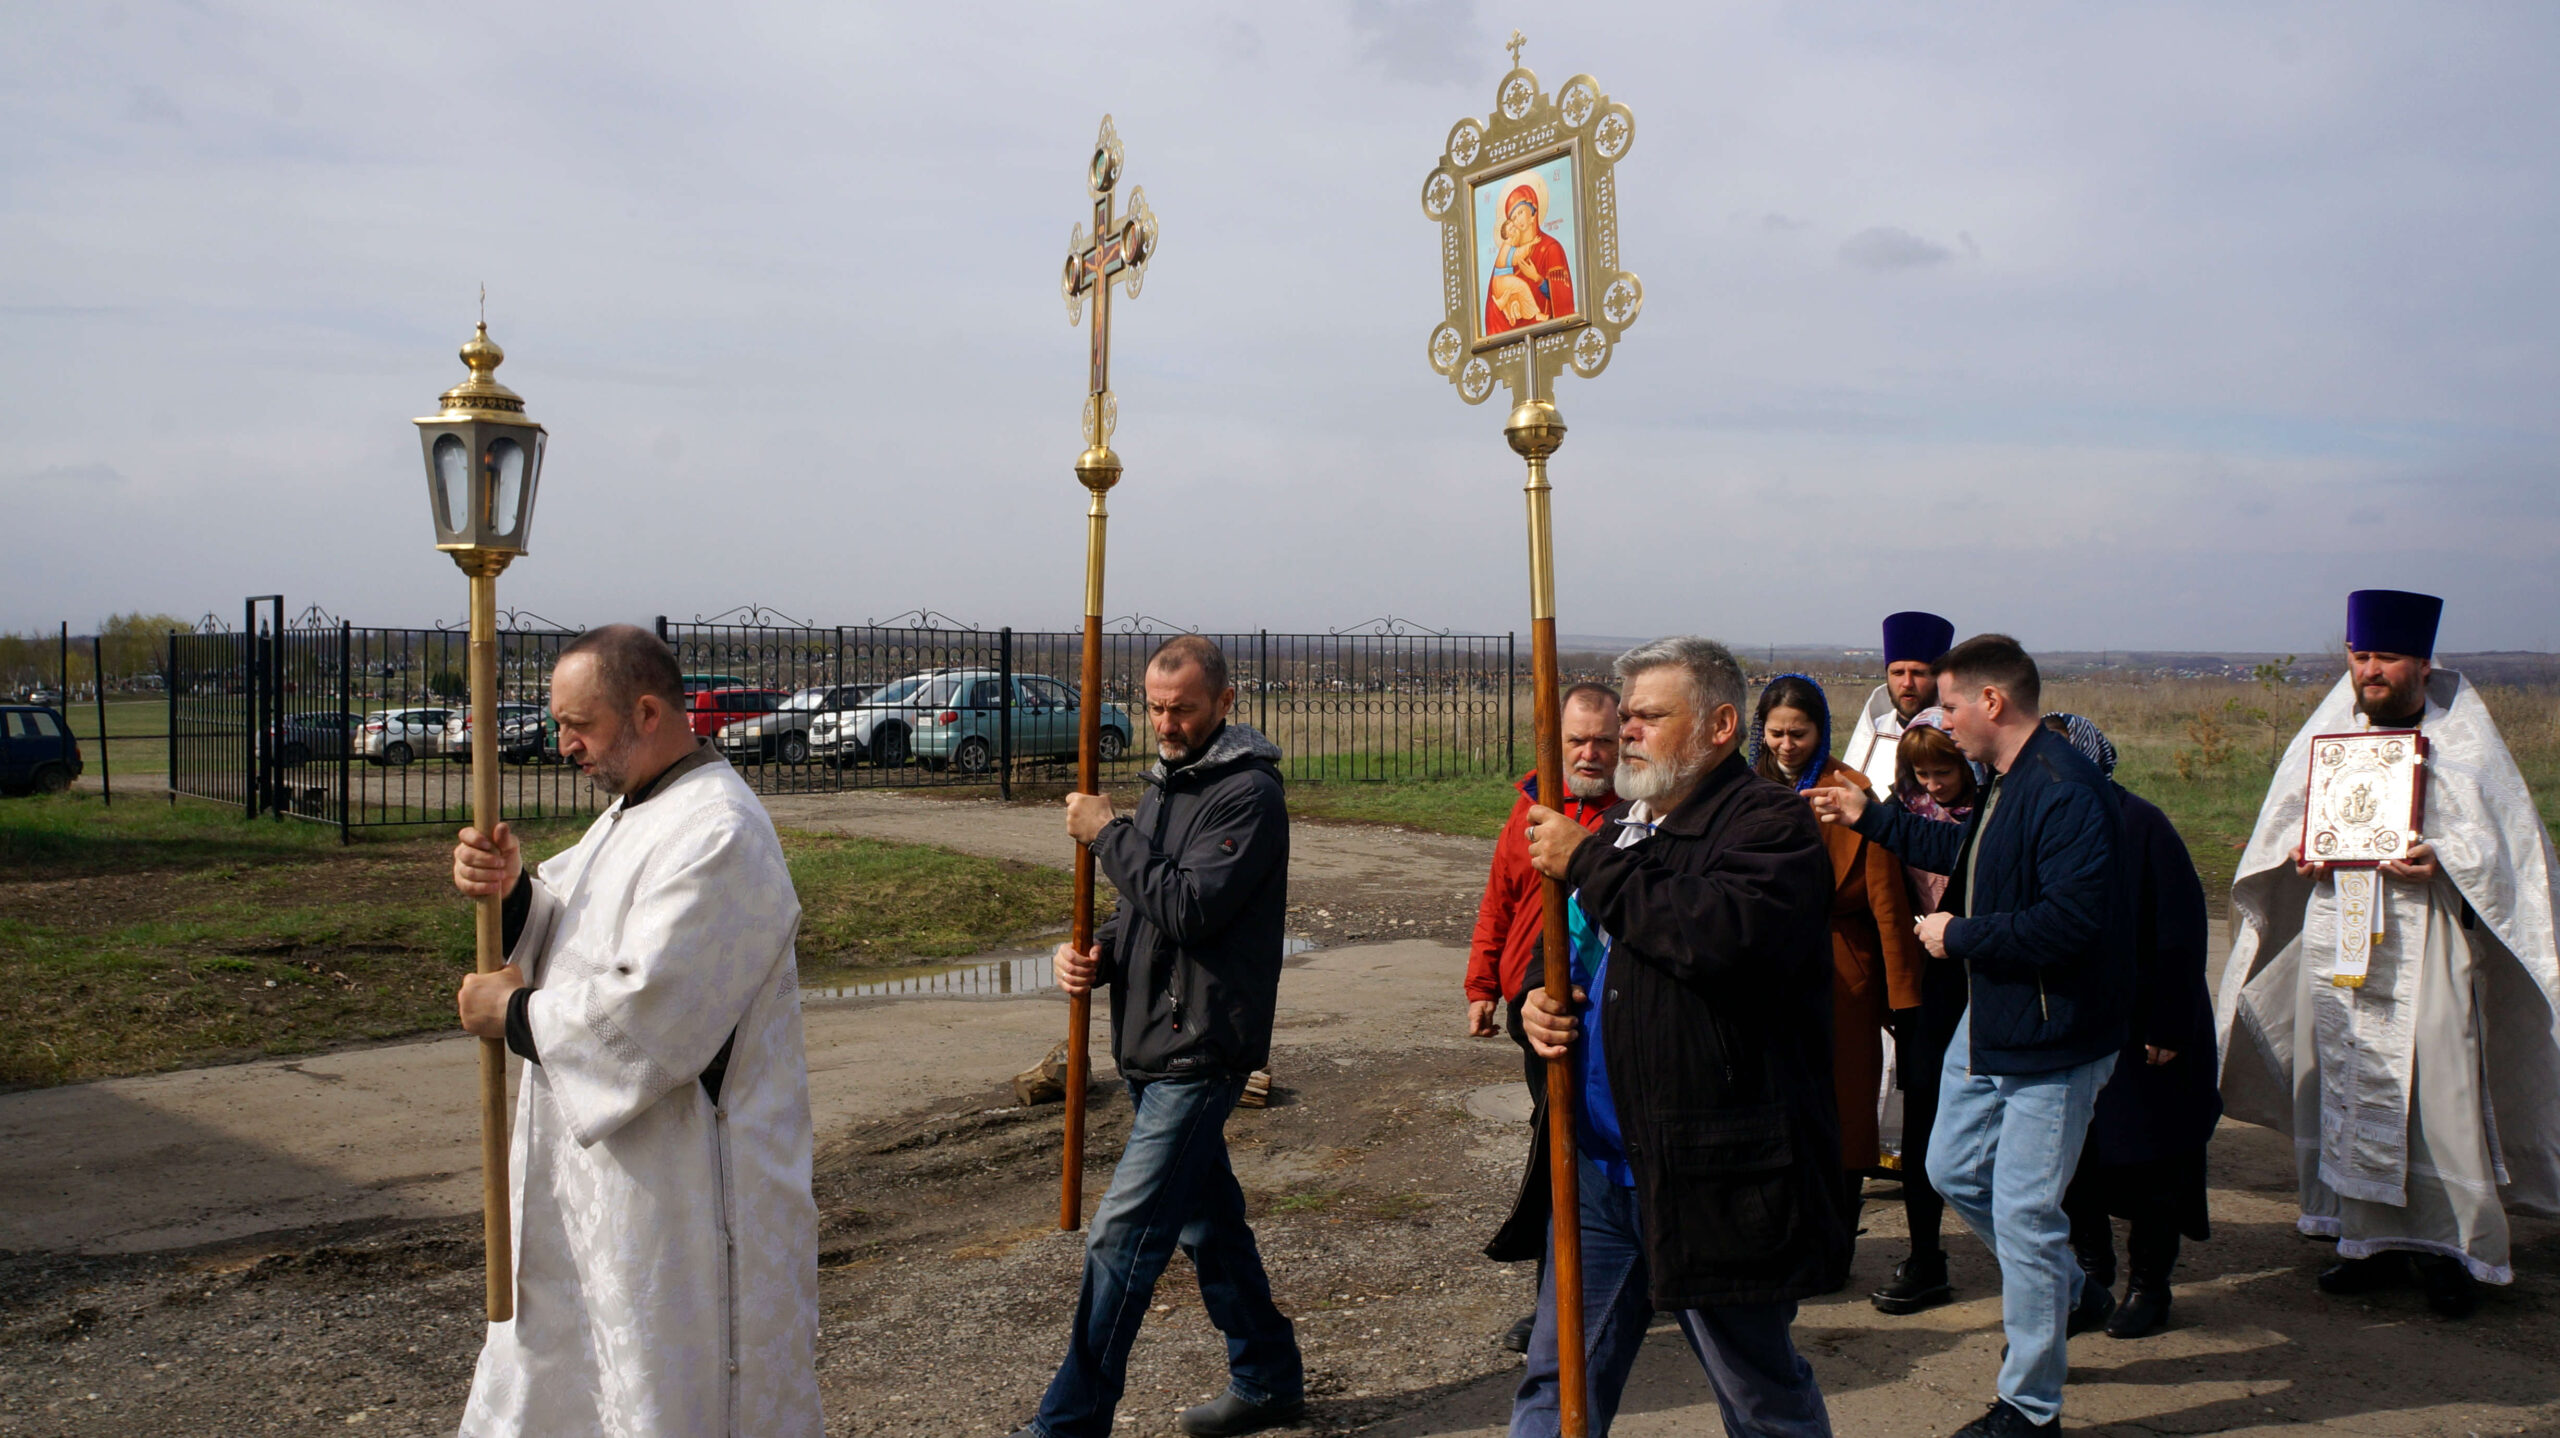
x: 151, y: 105
x: 1888, y: 247
x: 1429, y: 42
x: 785, y: 291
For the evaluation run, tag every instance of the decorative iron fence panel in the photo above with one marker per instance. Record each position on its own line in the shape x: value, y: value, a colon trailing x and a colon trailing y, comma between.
x: 362, y: 726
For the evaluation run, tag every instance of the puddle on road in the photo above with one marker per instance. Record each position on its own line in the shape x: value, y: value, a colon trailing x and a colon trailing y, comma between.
x: 1000, y: 978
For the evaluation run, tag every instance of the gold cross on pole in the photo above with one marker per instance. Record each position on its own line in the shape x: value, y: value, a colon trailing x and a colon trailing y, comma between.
x: 1518, y: 43
x: 1117, y: 251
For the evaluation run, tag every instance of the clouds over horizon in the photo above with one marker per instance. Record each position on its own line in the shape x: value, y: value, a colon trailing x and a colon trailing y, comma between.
x: 2155, y: 328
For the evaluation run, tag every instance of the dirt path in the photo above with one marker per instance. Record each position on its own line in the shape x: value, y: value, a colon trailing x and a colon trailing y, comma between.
x: 289, y: 1248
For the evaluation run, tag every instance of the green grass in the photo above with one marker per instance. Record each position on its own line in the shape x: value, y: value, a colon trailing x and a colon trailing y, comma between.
x: 866, y: 902
x: 1472, y: 807
x: 143, y: 937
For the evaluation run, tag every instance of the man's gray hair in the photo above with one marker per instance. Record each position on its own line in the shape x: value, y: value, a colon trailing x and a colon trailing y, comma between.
x: 1715, y: 677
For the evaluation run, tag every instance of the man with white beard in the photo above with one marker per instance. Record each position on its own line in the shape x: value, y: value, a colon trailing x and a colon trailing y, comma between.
x: 1701, y: 1034
x: 1914, y: 642
x: 2421, y: 1101
x: 666, y: 1241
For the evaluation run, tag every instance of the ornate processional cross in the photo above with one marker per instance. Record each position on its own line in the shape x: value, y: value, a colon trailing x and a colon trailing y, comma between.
x: 1115, y: 252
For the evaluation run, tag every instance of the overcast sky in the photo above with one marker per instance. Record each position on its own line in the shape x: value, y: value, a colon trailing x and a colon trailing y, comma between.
x: 2123, y: 326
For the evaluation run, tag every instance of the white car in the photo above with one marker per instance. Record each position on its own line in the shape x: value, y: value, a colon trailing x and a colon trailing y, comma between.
x: 396, y: 736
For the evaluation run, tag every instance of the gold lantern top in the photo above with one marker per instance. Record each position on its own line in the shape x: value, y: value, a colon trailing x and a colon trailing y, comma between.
x: 481, y: 394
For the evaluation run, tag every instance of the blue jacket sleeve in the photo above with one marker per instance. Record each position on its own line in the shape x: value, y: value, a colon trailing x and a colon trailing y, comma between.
x: 1922, y: 843
x: 2073, y: 851
x: 1230, y: 854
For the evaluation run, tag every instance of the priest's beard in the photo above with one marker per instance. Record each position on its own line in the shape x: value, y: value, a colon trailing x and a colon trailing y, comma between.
x: 2402, y: 706
x: 1646, y: 776
x: 610, y: 770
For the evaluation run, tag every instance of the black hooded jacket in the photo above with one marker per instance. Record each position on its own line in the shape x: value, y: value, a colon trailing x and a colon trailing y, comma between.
x: 1192, y: 956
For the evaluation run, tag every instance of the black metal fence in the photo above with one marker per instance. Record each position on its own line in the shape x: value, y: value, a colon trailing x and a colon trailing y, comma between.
x: 357, y: 726
x: 335, y: 724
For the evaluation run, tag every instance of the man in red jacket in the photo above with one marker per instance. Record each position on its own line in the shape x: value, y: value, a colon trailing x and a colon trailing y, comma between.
x: 1514, y: 910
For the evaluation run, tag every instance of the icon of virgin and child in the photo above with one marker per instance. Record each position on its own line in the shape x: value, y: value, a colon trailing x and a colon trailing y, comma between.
x: 1529, y: 279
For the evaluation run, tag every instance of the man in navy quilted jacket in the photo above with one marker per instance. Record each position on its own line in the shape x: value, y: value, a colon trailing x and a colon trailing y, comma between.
x: 2039, y: 909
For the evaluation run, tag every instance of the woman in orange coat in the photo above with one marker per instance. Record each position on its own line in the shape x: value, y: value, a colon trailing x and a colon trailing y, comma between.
x: 1876, y: 960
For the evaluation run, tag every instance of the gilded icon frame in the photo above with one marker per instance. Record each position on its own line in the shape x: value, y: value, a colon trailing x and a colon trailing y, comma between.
x: 1528, y: 129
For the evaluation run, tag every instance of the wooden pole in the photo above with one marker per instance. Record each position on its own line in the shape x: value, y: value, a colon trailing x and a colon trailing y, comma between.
x: 495, y: 1230
x: 1099, y: 468
x: 1535, y: 431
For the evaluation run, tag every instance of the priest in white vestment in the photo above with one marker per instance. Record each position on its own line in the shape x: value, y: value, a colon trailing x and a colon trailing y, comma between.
x: 2424, y: 1105
x: 1914, y: 641
x: 666, y: 1281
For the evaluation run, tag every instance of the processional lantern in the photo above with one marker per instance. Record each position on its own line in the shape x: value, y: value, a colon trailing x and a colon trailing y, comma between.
x: 1527, y: 203
x: 1116, y: 253
x: 484, y: 461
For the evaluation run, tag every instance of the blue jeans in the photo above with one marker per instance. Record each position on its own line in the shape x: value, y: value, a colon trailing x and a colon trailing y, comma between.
x: 1761, y: 1383
x: 1173, y: 1186
x: 2003, y: 1152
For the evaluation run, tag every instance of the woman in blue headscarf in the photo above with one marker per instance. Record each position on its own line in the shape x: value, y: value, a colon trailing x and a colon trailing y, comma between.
x: 1875, y: 957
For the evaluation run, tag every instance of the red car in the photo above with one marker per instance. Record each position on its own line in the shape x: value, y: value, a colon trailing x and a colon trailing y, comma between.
x: 712, y: 708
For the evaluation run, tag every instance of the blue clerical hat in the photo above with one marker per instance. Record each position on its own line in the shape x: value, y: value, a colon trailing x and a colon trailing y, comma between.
x: 2393, y: 621
x: 1917, y: 635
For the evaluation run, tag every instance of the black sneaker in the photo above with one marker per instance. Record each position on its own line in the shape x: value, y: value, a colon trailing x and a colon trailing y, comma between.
x: 2352, y: 1276
x: 1229, y: 1414
x: 2450, y: 1288
x: 1516, y: 1337
x: 1919, y: 1282
x: 2004, y: 1421
x: 2145, y: 1312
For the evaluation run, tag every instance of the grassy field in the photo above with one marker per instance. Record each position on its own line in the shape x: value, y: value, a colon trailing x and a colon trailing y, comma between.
x: 145, y: 937
x: 2205, y: 751
x: 137, y: 735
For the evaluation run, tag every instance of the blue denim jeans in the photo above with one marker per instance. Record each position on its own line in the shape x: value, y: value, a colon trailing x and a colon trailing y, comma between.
x: 2003, y: 1152
x: 1173, y: 1186
x: 1761, y: 1383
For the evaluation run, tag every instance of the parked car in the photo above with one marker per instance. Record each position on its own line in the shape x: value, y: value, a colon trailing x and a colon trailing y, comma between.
x: 457, y: 729
x: 302, y: 738
x: 37, y: 753
x: 711, y: 708
x: 696, y: 683
x: 396, y: 736
x: 45, y: 698
x: 783, y: 735
x: 951, y: 718
x: 529, y: 738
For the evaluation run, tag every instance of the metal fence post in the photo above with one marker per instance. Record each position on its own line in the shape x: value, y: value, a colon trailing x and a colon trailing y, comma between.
x: 98, y: 688
x: 62, y: 688
x: 1262, y: 679
x: 348, y: 735
x: 1510, y: 702
x: 169, y: 683
x: 1004, y: 712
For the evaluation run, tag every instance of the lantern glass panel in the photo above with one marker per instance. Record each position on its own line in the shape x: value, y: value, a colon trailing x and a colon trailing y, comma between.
x: 453, y: 484
x: 506, y: 484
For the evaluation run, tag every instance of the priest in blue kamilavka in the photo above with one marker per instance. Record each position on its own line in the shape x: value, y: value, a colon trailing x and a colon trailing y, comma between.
x: 2420, y: 1094
x: 1914, y: 641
